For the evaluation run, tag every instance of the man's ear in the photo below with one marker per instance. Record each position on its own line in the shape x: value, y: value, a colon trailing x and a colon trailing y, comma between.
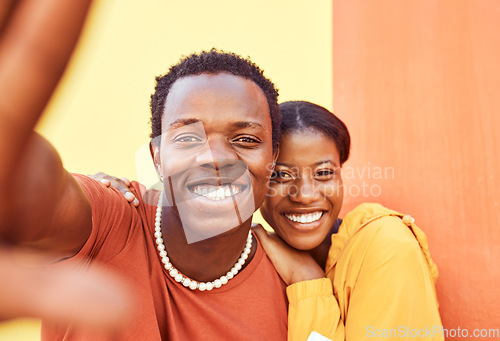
x: 154, y: 149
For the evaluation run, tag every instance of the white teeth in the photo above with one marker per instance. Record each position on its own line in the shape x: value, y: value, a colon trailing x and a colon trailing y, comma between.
x: 305, y: 218
x: 217, y: 192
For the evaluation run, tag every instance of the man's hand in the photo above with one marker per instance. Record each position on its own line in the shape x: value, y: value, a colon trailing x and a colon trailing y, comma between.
x: 90, y: 298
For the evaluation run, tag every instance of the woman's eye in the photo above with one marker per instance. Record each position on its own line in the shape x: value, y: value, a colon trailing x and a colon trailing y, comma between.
x: 281, y: 176
x: 325, y: 174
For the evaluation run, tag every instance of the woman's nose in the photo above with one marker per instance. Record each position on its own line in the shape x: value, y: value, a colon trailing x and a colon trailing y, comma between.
x: 303, y: 191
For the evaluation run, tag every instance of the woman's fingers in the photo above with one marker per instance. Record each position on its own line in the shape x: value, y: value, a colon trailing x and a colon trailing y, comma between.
x: 267, y: 241
x: 121, y: 184
x: 260, y: 232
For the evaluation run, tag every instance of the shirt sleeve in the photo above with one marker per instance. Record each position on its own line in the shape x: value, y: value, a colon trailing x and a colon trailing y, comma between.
x: 113, y: 219
x: 394, y: 296
x: 313, y: 308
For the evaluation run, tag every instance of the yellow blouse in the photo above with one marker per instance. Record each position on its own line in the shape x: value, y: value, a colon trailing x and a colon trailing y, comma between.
x: 383, y: 283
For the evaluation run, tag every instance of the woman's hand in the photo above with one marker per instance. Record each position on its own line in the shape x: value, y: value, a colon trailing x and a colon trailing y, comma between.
x: 121, y: 184
x: 292, y: 265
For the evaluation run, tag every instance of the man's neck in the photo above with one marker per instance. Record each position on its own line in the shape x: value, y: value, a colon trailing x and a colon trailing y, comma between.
x: 208, y: 259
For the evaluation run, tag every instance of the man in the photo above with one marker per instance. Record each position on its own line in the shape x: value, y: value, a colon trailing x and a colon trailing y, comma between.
x: 219, y: 120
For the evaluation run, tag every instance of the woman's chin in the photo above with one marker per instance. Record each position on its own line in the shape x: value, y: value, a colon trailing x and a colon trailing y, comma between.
x: 303, y: 236
x: 301, y: 242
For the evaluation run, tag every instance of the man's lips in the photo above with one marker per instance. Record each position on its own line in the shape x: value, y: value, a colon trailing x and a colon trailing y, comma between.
x: 215, y: 188
x: 216, y: 193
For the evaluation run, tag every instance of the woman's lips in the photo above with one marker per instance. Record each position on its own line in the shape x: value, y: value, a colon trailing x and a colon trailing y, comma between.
x: 304, y: 218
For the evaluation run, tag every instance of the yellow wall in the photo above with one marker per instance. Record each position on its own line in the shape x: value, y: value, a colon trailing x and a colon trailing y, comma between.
x: 100, y: 114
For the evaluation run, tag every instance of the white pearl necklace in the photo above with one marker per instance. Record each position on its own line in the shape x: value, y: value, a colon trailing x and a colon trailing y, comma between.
x: 187, y: 282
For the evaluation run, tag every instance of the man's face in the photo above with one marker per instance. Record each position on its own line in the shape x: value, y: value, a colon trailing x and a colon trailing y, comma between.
x: 216, y: 148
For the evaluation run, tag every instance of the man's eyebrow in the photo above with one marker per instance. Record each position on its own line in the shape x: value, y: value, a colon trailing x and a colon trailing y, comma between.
x: 247, y: 124
x: 183, y: 122
x: 187, y: 121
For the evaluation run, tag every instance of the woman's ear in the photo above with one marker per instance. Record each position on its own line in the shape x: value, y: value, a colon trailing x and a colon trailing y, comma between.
x: 276, y: 153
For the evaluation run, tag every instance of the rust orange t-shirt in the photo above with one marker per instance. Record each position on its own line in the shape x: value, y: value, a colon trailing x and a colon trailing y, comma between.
x: 251, y: 306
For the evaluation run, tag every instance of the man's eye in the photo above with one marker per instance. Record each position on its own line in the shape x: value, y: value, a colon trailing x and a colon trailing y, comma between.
x: 247, y: 140
x: 187, y: 139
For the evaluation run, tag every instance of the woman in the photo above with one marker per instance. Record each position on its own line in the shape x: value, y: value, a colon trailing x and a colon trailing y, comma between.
x: 377, y: 259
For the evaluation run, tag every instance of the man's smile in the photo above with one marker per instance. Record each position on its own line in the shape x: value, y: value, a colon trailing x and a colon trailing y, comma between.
x: 216, y: 192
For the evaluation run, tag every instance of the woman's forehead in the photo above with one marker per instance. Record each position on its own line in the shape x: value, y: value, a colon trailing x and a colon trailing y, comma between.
x: 307, y: 148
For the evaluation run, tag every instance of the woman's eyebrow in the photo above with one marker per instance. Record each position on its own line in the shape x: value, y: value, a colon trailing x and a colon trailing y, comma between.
x: 283, y: 164
x: 325, y: 161
x: 315, y: 164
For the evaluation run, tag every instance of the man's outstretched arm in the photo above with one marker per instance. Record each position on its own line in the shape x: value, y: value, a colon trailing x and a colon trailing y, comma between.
x: 41, y: 205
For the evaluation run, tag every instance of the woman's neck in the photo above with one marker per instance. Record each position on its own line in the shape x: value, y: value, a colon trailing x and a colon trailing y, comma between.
x: 320, y: 252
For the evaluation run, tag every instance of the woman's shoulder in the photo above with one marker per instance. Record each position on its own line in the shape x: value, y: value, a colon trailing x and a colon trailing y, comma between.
x: 380, y: 228
x: 375, y: 216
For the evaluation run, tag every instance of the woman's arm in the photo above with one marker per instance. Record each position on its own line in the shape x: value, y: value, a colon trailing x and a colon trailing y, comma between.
x: 386, y: 284
x: 312, y: 305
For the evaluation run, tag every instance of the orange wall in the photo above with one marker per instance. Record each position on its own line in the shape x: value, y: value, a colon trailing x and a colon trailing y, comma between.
x: 418, y: 84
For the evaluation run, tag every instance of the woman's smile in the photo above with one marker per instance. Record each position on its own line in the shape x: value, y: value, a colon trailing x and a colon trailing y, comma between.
x: 305, y: 194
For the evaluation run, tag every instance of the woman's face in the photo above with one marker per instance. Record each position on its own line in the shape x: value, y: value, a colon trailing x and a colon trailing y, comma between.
x: 306, y: 192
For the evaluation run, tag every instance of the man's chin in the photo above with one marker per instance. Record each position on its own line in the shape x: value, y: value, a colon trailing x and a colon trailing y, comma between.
x: 208, y: 228
x: 204, y: 218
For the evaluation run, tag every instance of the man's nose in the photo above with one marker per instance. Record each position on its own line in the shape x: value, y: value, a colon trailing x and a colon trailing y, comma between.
x: 217, y: 153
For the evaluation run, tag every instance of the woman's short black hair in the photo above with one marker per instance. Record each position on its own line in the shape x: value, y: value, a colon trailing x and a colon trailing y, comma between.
x: 214, y: 62
x: 302, y: 116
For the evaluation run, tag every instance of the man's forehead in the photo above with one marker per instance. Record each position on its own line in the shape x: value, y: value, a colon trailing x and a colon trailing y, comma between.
x: 211, y: 80
x: 200, y: 89
x: 215, y: 97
